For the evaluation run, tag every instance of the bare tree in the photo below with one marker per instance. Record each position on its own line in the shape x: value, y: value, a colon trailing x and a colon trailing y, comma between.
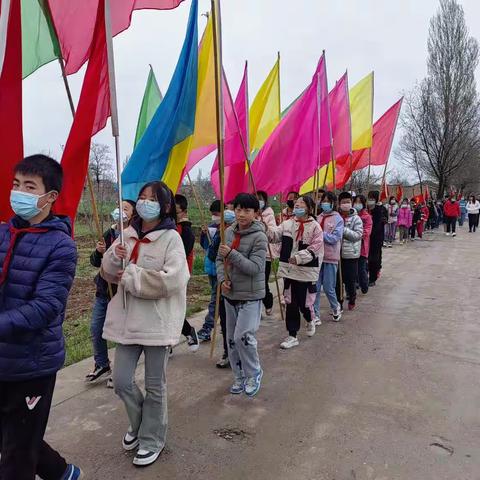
x: 441, y: 114
x: 100, y: 163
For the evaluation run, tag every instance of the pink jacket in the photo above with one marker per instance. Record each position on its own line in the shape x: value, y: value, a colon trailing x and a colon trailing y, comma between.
x: 367, y: 230
x: 268, y: 219
x: 332, y: 225
x: 405, y: 217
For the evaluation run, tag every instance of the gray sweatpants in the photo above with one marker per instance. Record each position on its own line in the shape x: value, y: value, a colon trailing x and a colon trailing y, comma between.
x: 148, y: 414
x: 243, y: 321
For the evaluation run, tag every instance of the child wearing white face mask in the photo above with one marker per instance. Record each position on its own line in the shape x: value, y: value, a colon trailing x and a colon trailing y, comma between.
x: 154, y: 282
x: 301, y: 255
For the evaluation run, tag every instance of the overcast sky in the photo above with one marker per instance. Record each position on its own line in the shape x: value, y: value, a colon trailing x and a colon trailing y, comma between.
x: 387, y: 36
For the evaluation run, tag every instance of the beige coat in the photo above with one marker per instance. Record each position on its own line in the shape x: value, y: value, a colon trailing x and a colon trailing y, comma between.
x: 156, y: 291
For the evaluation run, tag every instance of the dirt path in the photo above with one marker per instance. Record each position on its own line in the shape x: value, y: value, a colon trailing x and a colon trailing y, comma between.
x: 391, y: 392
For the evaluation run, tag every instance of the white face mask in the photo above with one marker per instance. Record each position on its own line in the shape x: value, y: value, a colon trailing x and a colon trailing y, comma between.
x: 215, y: 218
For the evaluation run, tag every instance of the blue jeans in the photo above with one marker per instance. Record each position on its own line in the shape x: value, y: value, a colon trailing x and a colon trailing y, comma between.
x: 210, y: 317
x: 461, y: 219
x: 327, y: 279
x: 100, y: 348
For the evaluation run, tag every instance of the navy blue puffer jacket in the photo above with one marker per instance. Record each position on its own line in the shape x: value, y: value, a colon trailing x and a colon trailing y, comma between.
x: 33, y: 298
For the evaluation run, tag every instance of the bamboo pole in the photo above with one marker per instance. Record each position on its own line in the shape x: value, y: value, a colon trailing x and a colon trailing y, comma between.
x: 217, y: 52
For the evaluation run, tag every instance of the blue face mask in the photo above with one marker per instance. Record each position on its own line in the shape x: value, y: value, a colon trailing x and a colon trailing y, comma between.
x: 358, y: 207
x: 116, y: 216
x: 262, y: 204
x: 25, y: 204
x: 326, y: 207
x: 229, y: 216
x: 299, y: 212
x: 148, y: 210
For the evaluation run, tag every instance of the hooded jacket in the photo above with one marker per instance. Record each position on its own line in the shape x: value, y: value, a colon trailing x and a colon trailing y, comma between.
x: 451, y: 209
x: 245, y: 262
x: 352, y: 235
x: 307, y: 248
x: 33, y: 296
x: 331, y: 224
x: 155, y: 285
x: 405, y: 217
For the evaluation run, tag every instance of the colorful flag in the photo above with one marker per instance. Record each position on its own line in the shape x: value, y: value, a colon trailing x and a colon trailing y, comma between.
x: 74, y: 23
x: 383, y: 134
x: 384, y: 194
x: 91, y: 116
x: 292, y: 151
x: 399, y: 195
x: 172, y: 123
x: 11, y: 137
x: 265, y: 110
x: 151, y: 100
x: 39, y: 42
x: 361, y: 108
x: 236, y: 120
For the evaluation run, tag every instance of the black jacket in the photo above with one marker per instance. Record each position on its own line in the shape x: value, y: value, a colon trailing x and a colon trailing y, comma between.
x: 379, y: 219
x: 96, y: 260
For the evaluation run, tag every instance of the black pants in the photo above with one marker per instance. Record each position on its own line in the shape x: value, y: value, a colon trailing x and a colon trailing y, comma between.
x: 472, y: 221
x: 24, y: 410
x: 374, y: 261
x: 363, y: 273
x: 297, y: 305
x: 268, y: 300
x: 451, y: 224
x: 187, y: 328
x: 412, y: 231
x: 349, y: 278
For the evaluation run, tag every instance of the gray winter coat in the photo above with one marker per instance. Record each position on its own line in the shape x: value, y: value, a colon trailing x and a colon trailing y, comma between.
x: 352, y: 235
x: 245, y: 264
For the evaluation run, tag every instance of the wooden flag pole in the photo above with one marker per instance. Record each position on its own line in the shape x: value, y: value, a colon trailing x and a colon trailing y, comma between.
x: 217, y: 52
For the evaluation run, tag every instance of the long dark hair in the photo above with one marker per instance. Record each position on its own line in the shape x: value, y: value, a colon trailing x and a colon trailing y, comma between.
x: 472, y: 196
x: 164, y: 197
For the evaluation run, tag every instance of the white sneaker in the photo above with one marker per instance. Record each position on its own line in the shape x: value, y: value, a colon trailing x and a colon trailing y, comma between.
x: 337, y: 315
x: 447, y: 234
x: 454, y: 234
x: 311, y: 328
x: 145, y: 457
x: 268, y: 311
x: 317, y: 321
x: 289, y: 342
x: 129, y: 442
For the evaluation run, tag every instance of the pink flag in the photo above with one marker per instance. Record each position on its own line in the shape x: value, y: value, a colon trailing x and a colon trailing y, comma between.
x: 236, y: 124
x: 300, y: 143
x: 75, y: 23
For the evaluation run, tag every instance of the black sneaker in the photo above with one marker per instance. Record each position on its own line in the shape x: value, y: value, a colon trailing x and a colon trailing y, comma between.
x: 192, y: 340
x: 144, y: 458
x: 204, y: 335
x: 224, y: 362
x: 97, y: 373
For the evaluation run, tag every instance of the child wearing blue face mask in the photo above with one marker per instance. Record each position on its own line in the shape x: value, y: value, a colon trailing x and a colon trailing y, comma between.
x: 332, y: 225
x: 103, y: 295
x: 32, y: 311
x: 301, y: 255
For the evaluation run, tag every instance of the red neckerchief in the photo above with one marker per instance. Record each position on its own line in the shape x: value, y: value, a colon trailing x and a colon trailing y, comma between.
x: 301, y: 228
x: 136, y: 248
x: 14, y: 234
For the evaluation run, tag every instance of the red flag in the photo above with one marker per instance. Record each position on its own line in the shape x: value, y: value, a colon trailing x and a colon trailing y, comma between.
x: 11, y: 136
x: 399, y: 195
x: 383, y: 133
x: 91, y: 116
x: 75, y: 24
x: 419, y: 198
x: 384, y: 193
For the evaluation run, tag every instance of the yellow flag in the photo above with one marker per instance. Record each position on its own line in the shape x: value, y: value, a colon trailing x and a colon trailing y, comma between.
x: 265, y: 111
x: 325, y: 180
x: 204, y: 133
x: 361, y: 112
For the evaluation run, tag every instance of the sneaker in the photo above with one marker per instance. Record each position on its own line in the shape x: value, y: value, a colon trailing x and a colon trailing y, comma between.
x: 364, y: 291
x: 97, y: 373
x: 454, y: 234
x: 204, y: 335
x: 224, y: 362
x: 252, y: 384
x: 351, y: 306
x: 310, y: 328
x: 129, y: 442
x: 289, y: 342
x: 371, y: 284
x: 268, y: 311
x: 144, y: 458
x: 110, y: 382
x: 170, y: 352
x: 384, y: 244
x: 337, y: 315
x: 238, y: 386
x: 72, y: 473
x: 192, y: 340
x: 389, y: 245
x: 447, y: 234
x: 317, y: 321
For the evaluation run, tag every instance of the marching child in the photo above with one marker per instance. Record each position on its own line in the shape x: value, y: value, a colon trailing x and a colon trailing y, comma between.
x: 351, y: 247
x: 360, y: 206
x: 184, y: 228
x: 103, y: 295
x: 405, y: 219
x: 301, y: 255
x: 241, y: 272
x: 331, y: 224
x: 391, y: 226
x: 37, y: 265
